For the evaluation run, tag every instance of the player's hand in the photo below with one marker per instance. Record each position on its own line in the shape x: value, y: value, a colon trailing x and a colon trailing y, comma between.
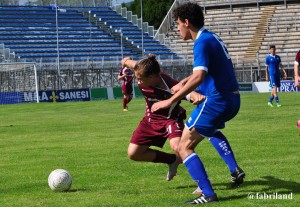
x: 267, y: 78
x: 124, y: 60
x: 176, y: 88
x: 197, y: 98
x: 161, y: 105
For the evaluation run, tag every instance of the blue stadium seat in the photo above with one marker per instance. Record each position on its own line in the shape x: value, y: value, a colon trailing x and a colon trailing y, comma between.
x: 30, y: 32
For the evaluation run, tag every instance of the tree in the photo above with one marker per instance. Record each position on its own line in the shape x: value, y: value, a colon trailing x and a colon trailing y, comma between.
x: 153, y: 11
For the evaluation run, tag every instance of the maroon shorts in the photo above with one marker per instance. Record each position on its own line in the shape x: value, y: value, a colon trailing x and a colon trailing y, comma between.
x: 127, y: 89
x: 156, y: 132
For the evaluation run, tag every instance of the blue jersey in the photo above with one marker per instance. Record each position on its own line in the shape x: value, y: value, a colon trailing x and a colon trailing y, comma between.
x: 211, y: 55
x: 273, y: 63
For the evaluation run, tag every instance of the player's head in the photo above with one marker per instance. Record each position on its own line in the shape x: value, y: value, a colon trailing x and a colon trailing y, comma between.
x: 188, y: 15
x: 272, y: 49
x: 146, y: 68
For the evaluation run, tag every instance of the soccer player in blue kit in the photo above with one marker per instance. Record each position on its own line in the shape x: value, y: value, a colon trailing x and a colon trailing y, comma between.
x: 213, y: 76
x: 273, y: 62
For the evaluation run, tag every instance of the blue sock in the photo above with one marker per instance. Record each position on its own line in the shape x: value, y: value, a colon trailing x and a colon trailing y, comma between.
x: 277, y: 99
x: 271, y: 99
x: 198, y: 173
x: 222, y: 146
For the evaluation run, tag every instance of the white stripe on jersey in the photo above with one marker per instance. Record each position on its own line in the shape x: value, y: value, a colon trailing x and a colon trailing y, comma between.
x: 200, y: 68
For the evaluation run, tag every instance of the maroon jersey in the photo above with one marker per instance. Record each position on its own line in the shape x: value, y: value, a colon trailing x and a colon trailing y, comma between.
x: 153, y: 94
x: 297, y: 59
x: 127, y: 80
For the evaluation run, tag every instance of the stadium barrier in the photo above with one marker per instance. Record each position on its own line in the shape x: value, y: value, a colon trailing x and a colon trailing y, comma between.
x: 111, y: 93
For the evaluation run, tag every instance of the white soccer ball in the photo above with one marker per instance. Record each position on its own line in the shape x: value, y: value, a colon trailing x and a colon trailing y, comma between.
x: 60, y: 180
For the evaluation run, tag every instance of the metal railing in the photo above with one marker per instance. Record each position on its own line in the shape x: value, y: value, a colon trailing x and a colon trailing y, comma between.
x: 85, y: 3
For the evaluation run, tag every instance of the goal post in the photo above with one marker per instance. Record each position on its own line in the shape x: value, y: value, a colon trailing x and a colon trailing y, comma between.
x: 18, y: 83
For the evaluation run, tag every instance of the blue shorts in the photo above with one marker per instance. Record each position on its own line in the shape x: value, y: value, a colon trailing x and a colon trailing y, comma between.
x: 211, y: 114
x: 274, y: 80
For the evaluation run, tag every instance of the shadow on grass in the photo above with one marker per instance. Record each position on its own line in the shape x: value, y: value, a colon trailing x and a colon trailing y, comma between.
x: 270, y: 182
x: 276, y: 183
x: 241, y: 195
x: 78, y: 190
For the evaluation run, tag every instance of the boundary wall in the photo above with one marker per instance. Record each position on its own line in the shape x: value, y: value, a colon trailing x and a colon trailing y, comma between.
x: 111, y: 93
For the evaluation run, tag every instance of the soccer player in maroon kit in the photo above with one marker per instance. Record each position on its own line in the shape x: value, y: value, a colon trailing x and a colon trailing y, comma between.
x: 296, y: 69
x: 126, y: 74
x: 155, y: 128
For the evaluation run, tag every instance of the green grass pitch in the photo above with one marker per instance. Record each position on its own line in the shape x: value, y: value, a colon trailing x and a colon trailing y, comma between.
x: 90, y: 139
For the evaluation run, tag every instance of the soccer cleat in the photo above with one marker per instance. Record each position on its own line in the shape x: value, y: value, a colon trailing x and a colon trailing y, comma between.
x: 198, y: 191
x: 237, y: 177
x: 278, y: 105
x: 173, y: 169
x: 203, y: 199
x: 270, y: 104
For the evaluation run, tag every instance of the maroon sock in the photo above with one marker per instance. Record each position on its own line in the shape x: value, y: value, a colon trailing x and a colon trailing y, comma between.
x: 124, y: 103
x: 129, y: 99
x: 163, y: 157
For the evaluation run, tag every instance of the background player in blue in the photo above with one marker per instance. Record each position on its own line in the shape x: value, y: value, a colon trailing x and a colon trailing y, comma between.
x: 213, y: 76
x: 273, y: 62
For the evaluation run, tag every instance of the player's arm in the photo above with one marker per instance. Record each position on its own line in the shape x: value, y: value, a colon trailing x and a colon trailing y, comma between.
x: 267, y: 73
x: 194, y: 80
x: 282, y: 68
x: 121, y: 76
x: 128, y: 62
x: 296, y: 74
x: 195, y: 97
x: 179, y: 85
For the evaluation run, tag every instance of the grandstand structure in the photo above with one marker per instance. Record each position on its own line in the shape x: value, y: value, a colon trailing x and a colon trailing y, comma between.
x: 247, y: 27
x: 75, y: 46
x: 81, y: 46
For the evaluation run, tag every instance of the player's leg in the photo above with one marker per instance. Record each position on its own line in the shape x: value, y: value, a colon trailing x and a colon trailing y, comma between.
x: 275, y: 94
x: 142, y: 138
x: 129, y: 92
x: 124, y: 103
x: 174, y: 142
x: 189, y: 140
x: 125, y: 94
x: 174, y: 129
x: 221, y: 144
x: 219, y: 141
x: 129, y: 98
x: 277, y: 84
x: 144, y: 153
x: 272, y: 85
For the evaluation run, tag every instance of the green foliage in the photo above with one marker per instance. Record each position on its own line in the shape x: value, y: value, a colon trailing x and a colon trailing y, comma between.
x: 153, y: 11
x: 90, y: 140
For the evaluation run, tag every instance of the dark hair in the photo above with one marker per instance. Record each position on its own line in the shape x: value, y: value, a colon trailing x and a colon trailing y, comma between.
x: 148, y: 66
x: 272, y: 46
x: 190, y: 11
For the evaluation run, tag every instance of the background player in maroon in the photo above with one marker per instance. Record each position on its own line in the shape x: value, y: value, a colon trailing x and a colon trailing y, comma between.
x: 126, y: 74
x: 296, y: 69
x: 155, y: 128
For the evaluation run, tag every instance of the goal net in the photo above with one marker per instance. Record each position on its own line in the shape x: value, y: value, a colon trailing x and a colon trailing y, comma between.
x: 18, y: 83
